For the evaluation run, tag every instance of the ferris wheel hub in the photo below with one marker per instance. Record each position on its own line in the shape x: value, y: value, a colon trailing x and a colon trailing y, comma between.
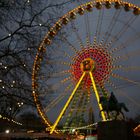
x: 87, y: 65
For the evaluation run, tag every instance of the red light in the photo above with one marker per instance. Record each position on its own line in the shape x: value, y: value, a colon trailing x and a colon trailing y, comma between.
x: 102, y: 69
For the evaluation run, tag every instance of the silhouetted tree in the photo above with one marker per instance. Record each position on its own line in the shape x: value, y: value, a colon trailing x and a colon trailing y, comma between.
x: 23, y: 24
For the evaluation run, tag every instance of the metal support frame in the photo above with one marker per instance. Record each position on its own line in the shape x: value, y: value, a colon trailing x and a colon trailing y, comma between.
x: 71, y: 96
x: 66, y: 105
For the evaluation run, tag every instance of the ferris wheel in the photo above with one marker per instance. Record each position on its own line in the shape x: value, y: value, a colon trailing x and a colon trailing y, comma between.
x: 89, y: 52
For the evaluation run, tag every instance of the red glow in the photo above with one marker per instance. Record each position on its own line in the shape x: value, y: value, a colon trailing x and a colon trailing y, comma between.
x: 102, y: 61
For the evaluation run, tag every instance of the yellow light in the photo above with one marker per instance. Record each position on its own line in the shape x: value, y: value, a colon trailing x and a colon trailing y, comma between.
x: 66, y: 105
x: 97, y: 96
x: 30, y: 131
x: 7, y: 131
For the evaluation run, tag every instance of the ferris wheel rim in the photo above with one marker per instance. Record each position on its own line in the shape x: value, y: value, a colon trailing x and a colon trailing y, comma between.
x: 53, y: 31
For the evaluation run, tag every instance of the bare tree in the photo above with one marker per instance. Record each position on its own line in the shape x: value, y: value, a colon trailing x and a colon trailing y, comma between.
x: 22, y: 25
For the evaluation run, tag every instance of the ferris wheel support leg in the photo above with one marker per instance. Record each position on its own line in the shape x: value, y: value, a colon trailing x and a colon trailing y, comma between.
x: 67, y: 104
x: 97, y: 96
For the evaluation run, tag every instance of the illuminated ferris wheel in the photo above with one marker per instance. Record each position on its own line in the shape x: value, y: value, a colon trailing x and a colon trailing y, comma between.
x: 91, y: 51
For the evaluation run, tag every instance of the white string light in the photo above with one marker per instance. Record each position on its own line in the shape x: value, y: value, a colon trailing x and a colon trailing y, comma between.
x: 13, y: 121
x: 20, y: 104
x: 7, y: 131
x: 77, y: 128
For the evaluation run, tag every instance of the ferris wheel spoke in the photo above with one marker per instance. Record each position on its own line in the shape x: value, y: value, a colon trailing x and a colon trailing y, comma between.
x: 122, y: 93
x: 127, y: 56
x: 88, y: 31
x: 59, y: 62
x: 67, y: 104
x: 103, y: 90
x: 61, y: 83
x: 125, y: 79
x: 61, y: 53
x: 123, y: 30
x: 58, y: 99
x: 94, y: 41
x: 72, y: 47
x: 57, y: 85
x: 77, y: 34
x: 126, y: 68
x: 126, y: 44
x: 53, y: 103
x: 98, y: 26
x: 55, y: 74
x: 111, y: 26
x: 111, y: 84
x: 60, y: 73
x: 66, y: 79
